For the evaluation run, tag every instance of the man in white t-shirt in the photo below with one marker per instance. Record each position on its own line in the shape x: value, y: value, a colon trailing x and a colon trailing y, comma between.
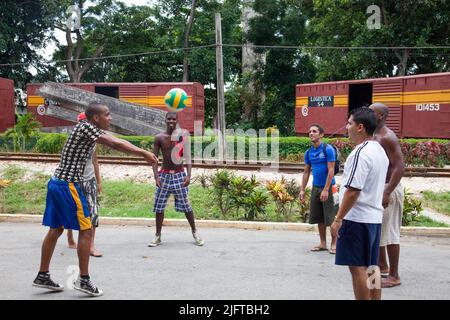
x: 358, y: 221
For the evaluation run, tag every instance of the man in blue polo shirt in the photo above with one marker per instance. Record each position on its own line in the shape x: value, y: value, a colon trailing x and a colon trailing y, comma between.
x: 322, y: 206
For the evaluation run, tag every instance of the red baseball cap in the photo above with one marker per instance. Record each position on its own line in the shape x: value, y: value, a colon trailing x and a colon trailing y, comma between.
x: 81, y: 116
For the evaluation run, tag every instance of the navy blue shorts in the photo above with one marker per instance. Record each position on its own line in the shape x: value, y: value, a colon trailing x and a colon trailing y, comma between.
x: 358, y: 244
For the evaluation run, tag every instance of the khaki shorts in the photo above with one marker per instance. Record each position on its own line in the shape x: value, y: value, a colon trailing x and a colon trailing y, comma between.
x: 322, y: 212
x: 392, y: 218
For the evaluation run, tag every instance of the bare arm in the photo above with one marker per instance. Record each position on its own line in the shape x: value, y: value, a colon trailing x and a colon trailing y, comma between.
x: 156, y: 148
x: 305, y: 178
x: 348, y: 201
x: 397, y: 167
x: 97, y: 171
x: 324, y: 193
x: 125, y: 146
x: 188, y: 159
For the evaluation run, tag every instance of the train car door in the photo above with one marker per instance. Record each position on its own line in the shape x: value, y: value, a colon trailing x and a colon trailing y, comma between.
x: 110, y: 91
x: 359, y: 95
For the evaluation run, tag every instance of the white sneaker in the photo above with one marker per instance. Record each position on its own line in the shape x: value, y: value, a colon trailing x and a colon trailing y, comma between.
x: 156, y: 241
x: 88, y: 287
x: 197, y: 240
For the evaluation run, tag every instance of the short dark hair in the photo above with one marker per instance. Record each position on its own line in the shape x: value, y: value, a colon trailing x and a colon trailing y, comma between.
x: 94, y: 109
x: 321, y: 130
x: 176, y: 115
x: 367, y: 118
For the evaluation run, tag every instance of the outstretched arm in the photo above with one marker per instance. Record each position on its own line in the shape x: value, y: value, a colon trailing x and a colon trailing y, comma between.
x: 125, y: 146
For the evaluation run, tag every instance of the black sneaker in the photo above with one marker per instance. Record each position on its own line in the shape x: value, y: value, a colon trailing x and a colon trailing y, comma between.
x: 43, y: 280
x: 87, y: 286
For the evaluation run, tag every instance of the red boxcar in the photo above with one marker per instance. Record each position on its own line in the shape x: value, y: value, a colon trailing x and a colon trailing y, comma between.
x: 150, y: 95
x: 419, y: 106
x: 7, y: 108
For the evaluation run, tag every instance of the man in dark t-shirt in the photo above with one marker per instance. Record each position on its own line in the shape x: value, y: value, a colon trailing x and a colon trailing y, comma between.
x: 66, y: 206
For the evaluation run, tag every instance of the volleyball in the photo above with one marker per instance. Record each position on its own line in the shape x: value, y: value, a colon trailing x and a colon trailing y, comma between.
x: 176, y: 99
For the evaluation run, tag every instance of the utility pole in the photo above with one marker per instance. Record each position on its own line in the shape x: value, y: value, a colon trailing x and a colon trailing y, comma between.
x: 220, y: 90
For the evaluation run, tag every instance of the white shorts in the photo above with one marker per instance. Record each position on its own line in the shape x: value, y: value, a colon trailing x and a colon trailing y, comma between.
x: 392, y: 218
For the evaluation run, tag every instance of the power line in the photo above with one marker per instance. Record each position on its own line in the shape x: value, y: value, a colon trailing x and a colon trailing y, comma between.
x: 114, y: 56
x: 337, y: 47
x: 255, y: 47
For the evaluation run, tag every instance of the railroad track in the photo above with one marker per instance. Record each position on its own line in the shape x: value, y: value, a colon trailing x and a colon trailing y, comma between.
x: 285, y: 167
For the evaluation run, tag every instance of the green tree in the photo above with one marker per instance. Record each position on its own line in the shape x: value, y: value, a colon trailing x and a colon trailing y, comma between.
x: 24, y: 26
x: 406, y: 23
x: 280, y: 23
x: 88, y: 31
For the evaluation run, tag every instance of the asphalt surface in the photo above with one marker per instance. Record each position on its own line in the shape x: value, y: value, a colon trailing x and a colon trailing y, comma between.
x: 234, y: 264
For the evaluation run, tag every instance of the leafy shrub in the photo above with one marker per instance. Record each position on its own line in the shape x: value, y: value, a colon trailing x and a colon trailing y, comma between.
x: 244, y: 195
x: 285, y: 202
x: 50, y: 143
x: 220, y: 183
x: 428, y: 153
x: 236, y: 193
x: 412, y: 207
x: 295, y: 157
x: 416, y: 152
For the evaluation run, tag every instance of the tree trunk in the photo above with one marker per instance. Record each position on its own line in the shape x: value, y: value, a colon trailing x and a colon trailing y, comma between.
x: 403, y: 56
x: 73, y: 53
x: 186, y: 43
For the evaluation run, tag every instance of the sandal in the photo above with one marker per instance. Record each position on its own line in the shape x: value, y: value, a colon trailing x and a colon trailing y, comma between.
x: 318, y: 248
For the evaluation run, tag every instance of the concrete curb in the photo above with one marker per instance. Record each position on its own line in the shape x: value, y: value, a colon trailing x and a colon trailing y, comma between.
x: 303, y: 227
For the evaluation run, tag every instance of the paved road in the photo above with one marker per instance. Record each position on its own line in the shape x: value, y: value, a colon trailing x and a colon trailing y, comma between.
x: 233, y: 264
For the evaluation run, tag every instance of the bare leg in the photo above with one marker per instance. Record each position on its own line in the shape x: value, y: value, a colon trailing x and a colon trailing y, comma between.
x: 393, y: 252
x: 322, y: 234
x: 84, y: 244
x: 382, y: 261
x: 93, y: 250
x: 359, y: 281
x: 374, y: 279
x: 333, y: 243
x: 159, y: 222
x: 71, y: 242
x: 48, y: 247
x: 190, y: 218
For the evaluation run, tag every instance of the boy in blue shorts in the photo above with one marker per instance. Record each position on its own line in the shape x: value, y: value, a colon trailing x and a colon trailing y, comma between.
x: 66, y: 205
x: 172, y: 179
x: 358, y: 221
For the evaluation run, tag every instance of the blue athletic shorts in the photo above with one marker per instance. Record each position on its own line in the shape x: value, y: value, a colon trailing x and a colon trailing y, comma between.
x: 358, y: 244
x: 172, y: 183
x: 66, y: 206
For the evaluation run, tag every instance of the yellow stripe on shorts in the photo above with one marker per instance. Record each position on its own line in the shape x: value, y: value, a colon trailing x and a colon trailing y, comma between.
x: 85, y: 223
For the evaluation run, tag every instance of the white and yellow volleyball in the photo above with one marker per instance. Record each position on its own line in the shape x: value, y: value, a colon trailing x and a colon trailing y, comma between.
x: 176, y: 99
